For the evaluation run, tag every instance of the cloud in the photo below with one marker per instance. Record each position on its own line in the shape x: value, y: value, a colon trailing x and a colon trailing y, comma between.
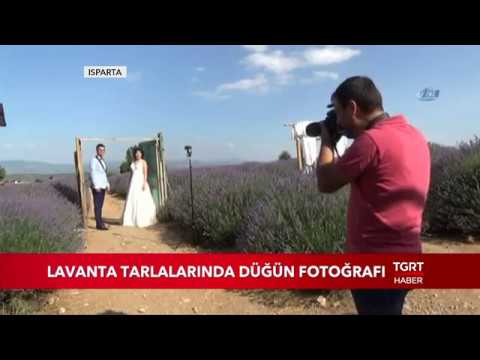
x: 200, y: 69
x: 258, y: 84
x: 211, y: 95
x: 280, y: 63
x: 329, y: 55
x: 325, y: 75
x: 8, y: 146
x: 278, y: 68
x: 284, y: 79
x: 320, y: 76
x: 256, y: 48
x: 275, y: 61
x: 283, y: 65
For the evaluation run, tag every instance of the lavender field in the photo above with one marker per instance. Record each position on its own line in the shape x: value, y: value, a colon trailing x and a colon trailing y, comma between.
x: 259, y: 208
x: 40, y: 217
x: 273, y: 208
x: 253, y: 207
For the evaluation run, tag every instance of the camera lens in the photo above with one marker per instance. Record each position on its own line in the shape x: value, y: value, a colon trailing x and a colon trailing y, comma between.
x: 314, y: 130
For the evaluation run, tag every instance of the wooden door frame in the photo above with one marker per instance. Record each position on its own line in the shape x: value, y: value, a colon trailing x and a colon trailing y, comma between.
x: 80, y: 174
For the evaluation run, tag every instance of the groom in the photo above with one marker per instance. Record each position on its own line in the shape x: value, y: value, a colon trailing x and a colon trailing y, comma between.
x: 100, y: 184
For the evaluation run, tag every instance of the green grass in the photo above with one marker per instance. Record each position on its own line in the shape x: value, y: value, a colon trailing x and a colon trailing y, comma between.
x: 21, y: 302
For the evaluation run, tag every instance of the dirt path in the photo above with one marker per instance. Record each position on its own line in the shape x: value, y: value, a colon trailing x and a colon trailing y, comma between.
x: 164, y: 238
x: 445, y: 302
x: 161, y: 238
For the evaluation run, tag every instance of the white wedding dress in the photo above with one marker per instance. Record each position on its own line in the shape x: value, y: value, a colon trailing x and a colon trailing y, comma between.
x: 140, y: 210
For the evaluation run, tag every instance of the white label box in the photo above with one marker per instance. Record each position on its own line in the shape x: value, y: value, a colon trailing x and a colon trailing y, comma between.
x: 105, y: 72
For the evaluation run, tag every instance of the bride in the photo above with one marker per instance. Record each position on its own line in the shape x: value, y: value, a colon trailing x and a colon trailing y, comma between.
x: 140, y: 208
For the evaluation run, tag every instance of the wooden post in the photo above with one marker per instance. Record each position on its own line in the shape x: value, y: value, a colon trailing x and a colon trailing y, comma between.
x: 159, y: 180
x: 81, y: 180
x: 163, y: 169
x: 299, y: 154
x: 162, y: 172
x: 165, y: 174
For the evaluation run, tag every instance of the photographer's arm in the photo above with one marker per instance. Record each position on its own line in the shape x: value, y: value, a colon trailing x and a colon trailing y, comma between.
x: 333, y: 175
x: 329, y: 178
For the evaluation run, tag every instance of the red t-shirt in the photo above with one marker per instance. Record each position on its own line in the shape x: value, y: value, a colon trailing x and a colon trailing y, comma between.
x: 389, y: 168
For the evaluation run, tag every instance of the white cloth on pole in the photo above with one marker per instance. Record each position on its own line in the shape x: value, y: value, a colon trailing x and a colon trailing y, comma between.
x: 309, y: 145
x: 310, y: 152
x: 300, y: 129
x: 343, y: 144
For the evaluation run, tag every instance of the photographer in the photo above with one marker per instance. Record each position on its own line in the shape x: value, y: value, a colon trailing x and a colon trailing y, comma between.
x: 388, y: 168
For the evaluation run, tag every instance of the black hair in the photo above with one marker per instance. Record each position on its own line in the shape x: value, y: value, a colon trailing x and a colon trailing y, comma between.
x: 363, y: 91
x: 141, y: 152
x: 99, y: 146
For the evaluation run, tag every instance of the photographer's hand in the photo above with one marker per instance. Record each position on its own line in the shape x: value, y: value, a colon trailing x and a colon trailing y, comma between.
x: 326, y: 155
x: 329, y: 178
x: 325, y: 136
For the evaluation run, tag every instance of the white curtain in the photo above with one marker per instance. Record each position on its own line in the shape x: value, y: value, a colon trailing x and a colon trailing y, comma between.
x: 311, y: 146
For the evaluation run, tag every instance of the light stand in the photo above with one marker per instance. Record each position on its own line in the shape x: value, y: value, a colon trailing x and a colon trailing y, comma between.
x: 3, y: 123
x: 188, y: 149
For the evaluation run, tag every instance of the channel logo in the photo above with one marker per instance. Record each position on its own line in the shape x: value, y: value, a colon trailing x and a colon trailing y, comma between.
x: 428, y: 94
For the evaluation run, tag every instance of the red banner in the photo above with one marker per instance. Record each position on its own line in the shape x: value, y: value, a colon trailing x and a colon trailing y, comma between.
x: 238, y: 271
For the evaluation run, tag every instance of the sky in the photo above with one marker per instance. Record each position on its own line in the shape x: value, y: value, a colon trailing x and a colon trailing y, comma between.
x: 227, y: 102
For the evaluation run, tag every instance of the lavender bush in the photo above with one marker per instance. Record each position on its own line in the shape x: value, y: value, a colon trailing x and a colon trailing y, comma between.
x: 454, y: 199
x: 293, y: 217
x: 270, y: 207
x: 36, y: 218
x: 258, y: 207
x: 119, y: 183
x: 221, y: 197
x: 67, y: 187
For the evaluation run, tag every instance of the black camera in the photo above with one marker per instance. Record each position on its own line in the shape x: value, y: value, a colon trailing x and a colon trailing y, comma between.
x: 315, y: 129
x: 331, y: 123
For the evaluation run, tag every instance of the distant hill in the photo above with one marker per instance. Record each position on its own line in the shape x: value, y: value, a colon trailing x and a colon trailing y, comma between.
x: 35, y: 167
x: 176, y: 164
x: 30, y: 178
x: 45, y: 168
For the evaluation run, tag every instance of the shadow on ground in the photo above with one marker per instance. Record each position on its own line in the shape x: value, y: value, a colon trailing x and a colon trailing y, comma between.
x: 119, y: 196
x: 178, y: 237
x: 282, y: 298
x: 111, y: 221
x: 111, y: 312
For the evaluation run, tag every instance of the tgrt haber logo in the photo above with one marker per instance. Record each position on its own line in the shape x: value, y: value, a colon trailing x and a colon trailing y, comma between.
x: 408, y: 272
